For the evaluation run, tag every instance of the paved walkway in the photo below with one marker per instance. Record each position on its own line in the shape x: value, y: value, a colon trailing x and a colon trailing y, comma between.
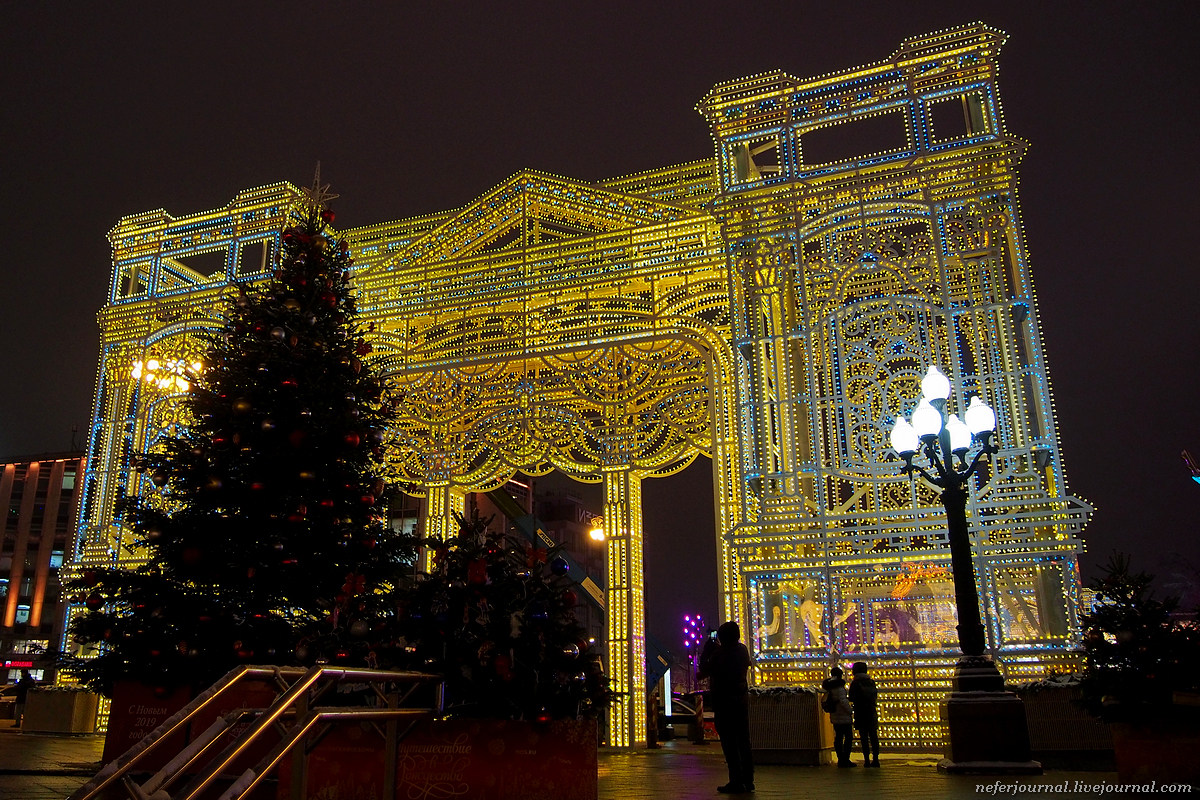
x: 45, y: 767
x: 683, y: 771
x: 51, y: 767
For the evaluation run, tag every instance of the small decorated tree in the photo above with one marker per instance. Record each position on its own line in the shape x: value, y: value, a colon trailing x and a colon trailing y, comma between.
x: 1140, y: 653
x: 496, y: 616
x: 263, y: 542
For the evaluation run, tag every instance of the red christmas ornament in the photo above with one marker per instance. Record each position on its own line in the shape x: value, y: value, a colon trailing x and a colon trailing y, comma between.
x: 503, y: 667
x: 570, y: 599
x: 352, y: 439
x: 94, y: 601
x: 328, y: 216
x: 355, y: 584
x: 90, y: 577
x: 368, y: 499
x: 534, y: 555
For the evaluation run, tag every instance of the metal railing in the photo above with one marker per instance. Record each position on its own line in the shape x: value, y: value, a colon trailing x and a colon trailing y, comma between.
x: 293, y: 720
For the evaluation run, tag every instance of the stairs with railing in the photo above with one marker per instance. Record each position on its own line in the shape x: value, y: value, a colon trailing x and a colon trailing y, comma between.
x: 241, y: 750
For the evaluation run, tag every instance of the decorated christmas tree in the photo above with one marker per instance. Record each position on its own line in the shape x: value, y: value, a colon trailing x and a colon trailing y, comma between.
x: 496, y: 617
x: 263, y: 538
x: 1140, y: 652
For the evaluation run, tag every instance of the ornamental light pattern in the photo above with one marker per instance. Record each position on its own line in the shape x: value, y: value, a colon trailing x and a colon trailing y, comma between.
x: 772, y: 309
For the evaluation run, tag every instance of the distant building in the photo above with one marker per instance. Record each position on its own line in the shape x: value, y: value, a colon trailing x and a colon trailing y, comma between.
x: 39, y: 505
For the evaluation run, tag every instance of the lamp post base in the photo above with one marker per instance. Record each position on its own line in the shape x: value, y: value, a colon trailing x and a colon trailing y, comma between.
x: 987, y: 733
x: 977, y: 674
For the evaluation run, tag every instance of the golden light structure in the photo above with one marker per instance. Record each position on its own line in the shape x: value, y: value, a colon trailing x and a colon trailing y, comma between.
x: 172, y: 374
x: 772, y: 309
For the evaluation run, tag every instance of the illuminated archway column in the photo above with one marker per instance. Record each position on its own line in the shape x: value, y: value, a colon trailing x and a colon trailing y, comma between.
x: 626, y: 606
x: 442, y: 502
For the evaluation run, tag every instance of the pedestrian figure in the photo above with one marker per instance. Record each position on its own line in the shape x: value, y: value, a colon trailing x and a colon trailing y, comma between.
x: 865, y: 696
x: 22, y: 694
x: 725, y: 662
x: 652, y: 721
x: 696, y: 727
x: 837, y: 703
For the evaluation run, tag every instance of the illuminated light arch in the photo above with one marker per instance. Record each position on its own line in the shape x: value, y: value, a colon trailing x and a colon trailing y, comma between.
x: 765, y: 311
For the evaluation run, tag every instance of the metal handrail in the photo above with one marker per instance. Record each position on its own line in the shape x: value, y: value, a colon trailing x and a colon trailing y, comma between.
x: 252, y: 777
x: 113, y: 771
x: 304, y: 679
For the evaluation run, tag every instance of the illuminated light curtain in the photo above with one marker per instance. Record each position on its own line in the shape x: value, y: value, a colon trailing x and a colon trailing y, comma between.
x: 442, y: 502
x: 626, y: 606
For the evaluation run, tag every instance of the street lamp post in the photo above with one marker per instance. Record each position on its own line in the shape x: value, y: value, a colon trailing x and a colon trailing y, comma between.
x: 987, y: 726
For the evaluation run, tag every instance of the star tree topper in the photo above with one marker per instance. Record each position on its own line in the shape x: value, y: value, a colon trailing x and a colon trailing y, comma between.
x: 318, y: 195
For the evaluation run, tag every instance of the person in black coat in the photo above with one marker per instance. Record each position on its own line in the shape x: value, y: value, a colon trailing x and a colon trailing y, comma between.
x: 22, y: 694
x: 865, y: 696
x: 725, y: 662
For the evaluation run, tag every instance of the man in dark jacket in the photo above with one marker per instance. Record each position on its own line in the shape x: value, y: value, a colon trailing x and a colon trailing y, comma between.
x: 22, y: 694
x: 725, y: 662
x: 865, y: 697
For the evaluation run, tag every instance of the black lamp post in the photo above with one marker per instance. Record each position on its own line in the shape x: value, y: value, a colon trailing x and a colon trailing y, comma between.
x: 987, y: 724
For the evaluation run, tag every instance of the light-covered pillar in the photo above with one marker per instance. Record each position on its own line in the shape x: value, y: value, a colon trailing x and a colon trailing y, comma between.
x: 442, y: 502
x: 626, y: 606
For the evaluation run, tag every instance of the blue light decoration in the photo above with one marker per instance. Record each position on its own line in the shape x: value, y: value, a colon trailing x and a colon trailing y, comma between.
x: 1191, y: 465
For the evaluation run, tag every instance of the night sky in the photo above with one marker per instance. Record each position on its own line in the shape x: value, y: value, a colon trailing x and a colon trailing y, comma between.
x: 118, y: 108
